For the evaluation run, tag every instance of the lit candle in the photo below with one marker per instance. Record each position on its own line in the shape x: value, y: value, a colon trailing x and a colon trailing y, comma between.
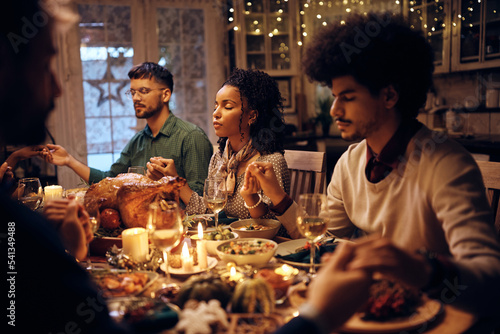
x: 135, y: 243
x: 233, y: 275
x: 201, y: 249
x: 53, y: 192
x: 187, y: 260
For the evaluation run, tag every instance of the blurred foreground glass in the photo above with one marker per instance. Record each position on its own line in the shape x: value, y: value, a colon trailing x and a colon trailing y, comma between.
x: 30, y: 192
x: 312, y: 221
x: 137, y: 169
x: 165, y: 228
x: 215, y: 196
x: 94, y: 226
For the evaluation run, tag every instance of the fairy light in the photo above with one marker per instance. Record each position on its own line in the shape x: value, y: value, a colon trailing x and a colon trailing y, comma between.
x: 299, y: 43
x: 235, y: 28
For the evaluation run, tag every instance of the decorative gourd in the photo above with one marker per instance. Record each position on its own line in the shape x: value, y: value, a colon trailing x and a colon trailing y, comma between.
x: 204, y: 288
x: 253, y: 296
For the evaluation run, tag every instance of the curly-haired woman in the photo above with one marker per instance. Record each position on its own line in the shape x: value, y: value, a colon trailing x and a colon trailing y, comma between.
x: 248, y: 118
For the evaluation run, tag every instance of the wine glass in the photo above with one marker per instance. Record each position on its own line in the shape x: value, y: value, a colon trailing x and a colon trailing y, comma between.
x: 166, y: 228
x: 30, y: 192
x: 215, y: 196
x: 312, y: 220
x: 94, y: 226
x: 137, y: 169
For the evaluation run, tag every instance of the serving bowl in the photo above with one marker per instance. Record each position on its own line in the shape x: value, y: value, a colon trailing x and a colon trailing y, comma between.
x: 253, y: 251
x: 212, y: 244
x: 256, y: 228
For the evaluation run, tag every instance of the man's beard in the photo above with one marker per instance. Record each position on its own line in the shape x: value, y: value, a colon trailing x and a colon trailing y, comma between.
x: 146, y: 113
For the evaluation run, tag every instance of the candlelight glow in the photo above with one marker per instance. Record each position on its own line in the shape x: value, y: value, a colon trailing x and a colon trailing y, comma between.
x: 185, y: 252
x: 200, y: 232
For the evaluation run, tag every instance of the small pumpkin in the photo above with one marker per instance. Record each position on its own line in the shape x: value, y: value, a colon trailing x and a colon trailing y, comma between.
x: 253, y: 296
x: 204, y: 288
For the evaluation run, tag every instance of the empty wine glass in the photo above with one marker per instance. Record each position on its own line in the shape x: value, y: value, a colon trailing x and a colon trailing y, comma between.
x: 215, y: 196
x: 30, y: 192
x: 137, y: 169
x: 94, y: 226
x: 312, y: 221
x: 166, y: 229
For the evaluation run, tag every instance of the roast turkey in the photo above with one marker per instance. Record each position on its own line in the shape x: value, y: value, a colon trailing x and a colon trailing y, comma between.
x: 131, y: 195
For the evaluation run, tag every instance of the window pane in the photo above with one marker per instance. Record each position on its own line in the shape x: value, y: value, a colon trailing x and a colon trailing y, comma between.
x: 181, y: 45
x: 106, y: 54
x: 101, y: 161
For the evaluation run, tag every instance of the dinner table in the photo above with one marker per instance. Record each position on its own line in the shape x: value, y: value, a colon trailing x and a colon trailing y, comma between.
x: 441, y: 317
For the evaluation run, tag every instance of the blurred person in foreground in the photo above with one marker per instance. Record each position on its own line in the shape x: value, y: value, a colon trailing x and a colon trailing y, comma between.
x: 419, y: 190
x: 48, y: 290
x: 184, y: 147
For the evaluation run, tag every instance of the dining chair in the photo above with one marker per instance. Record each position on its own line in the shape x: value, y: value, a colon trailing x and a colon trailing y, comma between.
x: 307, y: 172
x: 491, y: 177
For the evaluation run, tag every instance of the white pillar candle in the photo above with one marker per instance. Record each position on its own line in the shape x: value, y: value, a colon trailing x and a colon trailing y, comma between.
x: 135, y: 243
x: 53, y: 192
x: 187, y: 260
x: 201, y: 249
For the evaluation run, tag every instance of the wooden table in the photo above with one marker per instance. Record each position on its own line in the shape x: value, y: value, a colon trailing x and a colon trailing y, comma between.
x: 449, y: 320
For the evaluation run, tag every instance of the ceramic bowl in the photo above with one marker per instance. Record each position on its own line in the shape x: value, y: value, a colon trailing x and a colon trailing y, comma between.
x: 244, y: 228
x: 252, y: 251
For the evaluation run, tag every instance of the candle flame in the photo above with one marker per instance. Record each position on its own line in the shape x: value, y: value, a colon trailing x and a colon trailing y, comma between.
x: 200, y: 232
x: 232, y: 271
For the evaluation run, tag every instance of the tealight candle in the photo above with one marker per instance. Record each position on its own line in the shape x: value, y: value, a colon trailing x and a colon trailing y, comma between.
x: 53, y: 192
x: 187, y: 260
x: 201, y: 249
x: 135, y: 243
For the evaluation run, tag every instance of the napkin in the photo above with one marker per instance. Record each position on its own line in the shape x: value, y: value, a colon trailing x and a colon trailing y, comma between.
x: 304, y: 256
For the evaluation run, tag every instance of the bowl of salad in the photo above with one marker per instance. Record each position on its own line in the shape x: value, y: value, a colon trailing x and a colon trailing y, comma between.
x: 253, y: 251
x: 215, y: 238
x: 256, y: 228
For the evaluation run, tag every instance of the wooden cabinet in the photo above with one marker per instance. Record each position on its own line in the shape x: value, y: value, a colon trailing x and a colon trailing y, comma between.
x: 434, y: 19
x: 476, y: 35
x: 465, y: 34
x: 265, y: 32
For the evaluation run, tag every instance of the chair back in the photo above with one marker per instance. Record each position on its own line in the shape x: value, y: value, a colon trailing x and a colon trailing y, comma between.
x: 307, y: 172
x: 491, y: 177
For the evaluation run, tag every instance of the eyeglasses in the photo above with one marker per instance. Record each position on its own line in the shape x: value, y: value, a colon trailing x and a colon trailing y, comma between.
x: 141, y: 91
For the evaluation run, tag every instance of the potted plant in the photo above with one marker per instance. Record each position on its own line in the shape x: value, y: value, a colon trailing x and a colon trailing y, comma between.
x: 323, y: 117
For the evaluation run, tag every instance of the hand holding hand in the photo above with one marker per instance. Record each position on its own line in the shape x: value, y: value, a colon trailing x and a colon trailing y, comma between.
x: 263, y: 172
x: 378, y: 254
x: 56, y: 155
x: 338, y: 292
x: 6, y: 173
x: 159, y: 167
x: 73, y: 224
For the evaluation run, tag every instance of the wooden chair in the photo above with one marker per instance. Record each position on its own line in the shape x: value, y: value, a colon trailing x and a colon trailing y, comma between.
x: 491, y: 177
x: 307, y: 172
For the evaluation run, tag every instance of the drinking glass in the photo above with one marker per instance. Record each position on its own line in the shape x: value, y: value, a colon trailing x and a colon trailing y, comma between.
x: 215, y: 196
x: 137, y: 169
x: 94, y: 226
x: 312, y: 221
x: 30, y: 192
x: 166, y: 229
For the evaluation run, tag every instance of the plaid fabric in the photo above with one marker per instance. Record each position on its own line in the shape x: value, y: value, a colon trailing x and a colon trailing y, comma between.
x: 179, y: 140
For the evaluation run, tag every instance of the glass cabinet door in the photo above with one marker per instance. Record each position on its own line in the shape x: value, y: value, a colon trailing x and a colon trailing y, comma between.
x: 267, y: 38
x: 432, y: 16
x: 478, y: 40
x: 492, y: 30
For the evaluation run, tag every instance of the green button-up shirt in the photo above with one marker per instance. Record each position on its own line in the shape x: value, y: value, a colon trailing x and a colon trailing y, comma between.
x: 179, y: 140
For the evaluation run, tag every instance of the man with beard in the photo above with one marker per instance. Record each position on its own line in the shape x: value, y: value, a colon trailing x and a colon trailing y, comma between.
x: 181, y: 143
x: 48, y: 291
x: 418, y: 194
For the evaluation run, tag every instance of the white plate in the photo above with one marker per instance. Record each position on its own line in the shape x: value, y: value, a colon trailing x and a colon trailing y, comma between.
x: 289, y: 247
x: 211, y: 262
